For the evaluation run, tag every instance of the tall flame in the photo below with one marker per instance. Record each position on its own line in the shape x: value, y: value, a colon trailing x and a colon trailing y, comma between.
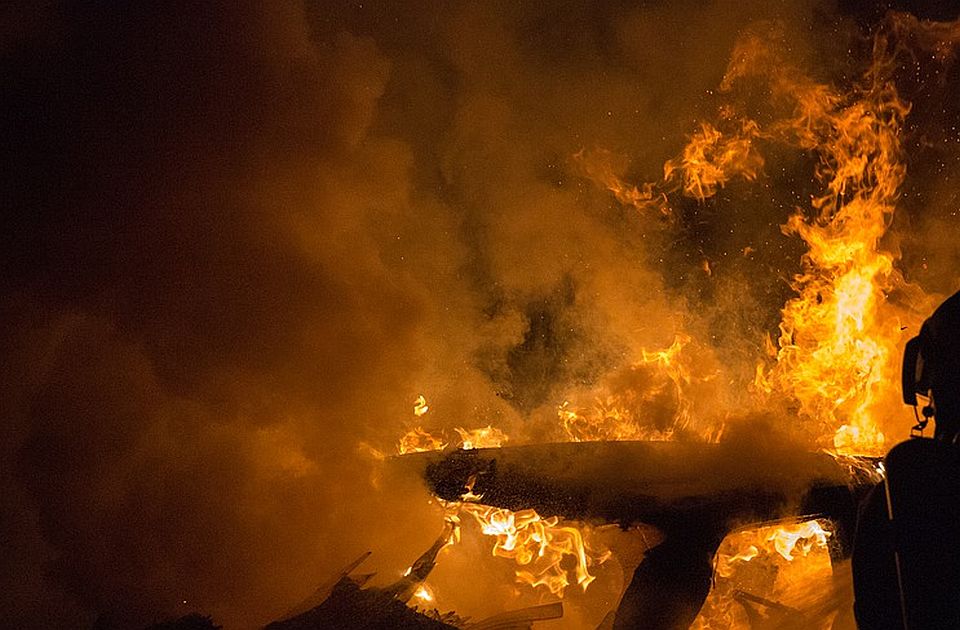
x: 837, y: 343
x: 838, y: 336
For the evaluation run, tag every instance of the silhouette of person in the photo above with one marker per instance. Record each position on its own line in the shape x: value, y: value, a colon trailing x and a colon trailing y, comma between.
x: 906, y: 556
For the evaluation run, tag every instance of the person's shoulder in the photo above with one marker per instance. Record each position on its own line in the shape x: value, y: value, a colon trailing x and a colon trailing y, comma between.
x: 921, y: 451
x: 923, y: 474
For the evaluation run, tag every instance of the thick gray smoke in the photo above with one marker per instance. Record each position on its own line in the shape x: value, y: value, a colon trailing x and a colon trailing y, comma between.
x: 240, y: 241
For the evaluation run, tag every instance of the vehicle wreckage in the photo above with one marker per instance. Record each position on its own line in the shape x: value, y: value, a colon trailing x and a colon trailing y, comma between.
x: 694, y: 493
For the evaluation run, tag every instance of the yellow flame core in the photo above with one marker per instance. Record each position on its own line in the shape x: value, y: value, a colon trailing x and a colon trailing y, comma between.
x: 420, y: 407
x: 424, y: 594
x: 538, y: 545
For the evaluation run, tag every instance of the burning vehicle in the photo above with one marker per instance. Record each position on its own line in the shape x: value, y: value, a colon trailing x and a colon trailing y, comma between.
x: 838, y: 351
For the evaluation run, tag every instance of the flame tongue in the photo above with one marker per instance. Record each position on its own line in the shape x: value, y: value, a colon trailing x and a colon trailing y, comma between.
x: 837, y: 342
x: 785, y: 568
x: 537, y: 544
x: 838, y: 336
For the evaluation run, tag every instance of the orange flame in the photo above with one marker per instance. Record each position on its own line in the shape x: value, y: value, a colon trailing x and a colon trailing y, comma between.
x: 616, y: 417
x: 711, y: 159
x: 772, y: 568
x: 838, y: 341
x: 606, y: 422
x: 417, y: 440
x: 538, y: 544
x: 838, y: 337
x: 487, y: 437
x: 602, y: 167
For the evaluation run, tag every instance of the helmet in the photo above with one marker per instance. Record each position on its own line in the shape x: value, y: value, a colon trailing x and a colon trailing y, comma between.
x: 931, y: 367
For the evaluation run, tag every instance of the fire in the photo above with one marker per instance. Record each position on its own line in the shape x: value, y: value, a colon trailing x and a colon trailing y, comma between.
x: 624, y: 415
x: 606, y: 421
x: 417, y: 440
x: 773, y: 572
x: 838, y: 339
x: 420, y: 407
x: 670, y: 363
x: 538, y: 545
x: 712, y: 158
x: 786, y: 540
x: 790, y: 542
x: 602, y: 166
x: 424, y: 594
x: 487, y: 437
x: 836, y: 353
x: 838, y: 343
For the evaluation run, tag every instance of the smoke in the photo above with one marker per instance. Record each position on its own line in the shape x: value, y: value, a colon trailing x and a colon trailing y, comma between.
x: 242, y: 241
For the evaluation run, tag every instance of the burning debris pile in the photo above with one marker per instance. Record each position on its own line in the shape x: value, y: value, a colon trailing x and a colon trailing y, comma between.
x: 693, y: 493
x: 345, y: 604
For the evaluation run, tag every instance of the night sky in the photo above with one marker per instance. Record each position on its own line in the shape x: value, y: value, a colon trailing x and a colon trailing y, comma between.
x: 239, y: 241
